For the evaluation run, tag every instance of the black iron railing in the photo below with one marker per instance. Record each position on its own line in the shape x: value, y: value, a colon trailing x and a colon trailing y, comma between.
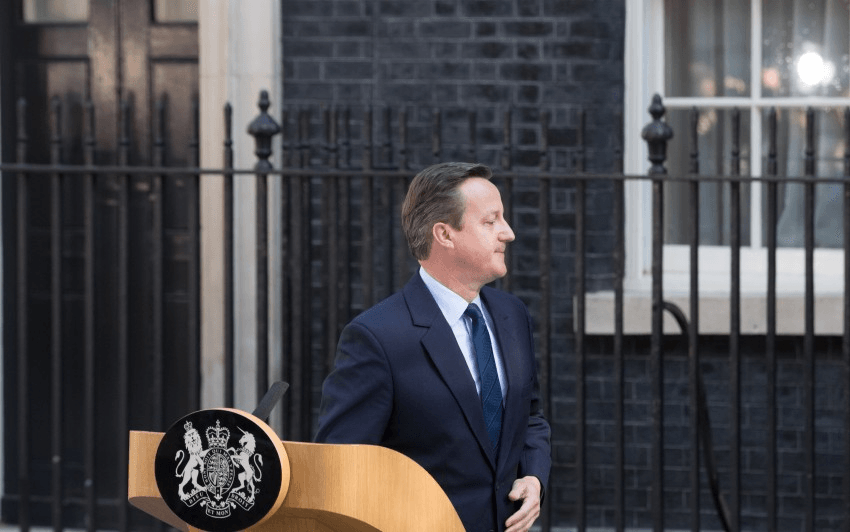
x: 341, y: 251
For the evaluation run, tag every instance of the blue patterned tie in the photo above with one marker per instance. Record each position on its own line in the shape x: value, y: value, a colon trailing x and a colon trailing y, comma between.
x: 491, y: 392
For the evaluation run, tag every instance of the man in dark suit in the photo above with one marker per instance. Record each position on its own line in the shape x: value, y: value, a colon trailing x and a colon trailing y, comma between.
x: 444, y: 371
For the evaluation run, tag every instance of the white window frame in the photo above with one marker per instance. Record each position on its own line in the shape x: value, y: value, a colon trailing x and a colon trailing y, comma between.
x: 644, y: 77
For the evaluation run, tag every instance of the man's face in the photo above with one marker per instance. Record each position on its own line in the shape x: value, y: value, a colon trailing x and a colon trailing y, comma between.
x: 480, y: 244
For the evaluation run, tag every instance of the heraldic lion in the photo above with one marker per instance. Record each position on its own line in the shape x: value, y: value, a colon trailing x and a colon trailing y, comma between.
x: 193, y: 464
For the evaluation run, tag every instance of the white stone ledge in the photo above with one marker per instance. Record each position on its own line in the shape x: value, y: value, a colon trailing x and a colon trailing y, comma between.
x: 714, y: 313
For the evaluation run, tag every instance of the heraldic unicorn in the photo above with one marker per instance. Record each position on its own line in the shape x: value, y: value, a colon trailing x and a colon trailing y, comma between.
x: 207, y: 475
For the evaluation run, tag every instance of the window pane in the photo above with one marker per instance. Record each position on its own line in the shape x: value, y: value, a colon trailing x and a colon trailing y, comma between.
x: 176, y: 11
x: 829, y: 161
x: 707, y: 47
x: 805, y: 48
x: 715, y: 158
x: 36, y: 11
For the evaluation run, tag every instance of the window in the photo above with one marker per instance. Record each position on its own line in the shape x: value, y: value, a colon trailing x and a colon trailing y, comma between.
x: 751, y: 55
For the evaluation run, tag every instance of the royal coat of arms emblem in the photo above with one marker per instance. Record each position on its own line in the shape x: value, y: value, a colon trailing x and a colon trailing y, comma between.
x: 220, y: 477
x: 221, y: 470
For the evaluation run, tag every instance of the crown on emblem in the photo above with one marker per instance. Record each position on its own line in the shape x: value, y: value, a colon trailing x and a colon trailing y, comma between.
x: 218, y: 436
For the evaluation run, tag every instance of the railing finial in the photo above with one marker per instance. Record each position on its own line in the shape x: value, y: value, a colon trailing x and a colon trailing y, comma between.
x: 263, y: 128
x: 656, y: 134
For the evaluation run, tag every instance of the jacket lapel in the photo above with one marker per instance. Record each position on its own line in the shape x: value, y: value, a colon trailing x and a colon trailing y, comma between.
x: 439, y: 343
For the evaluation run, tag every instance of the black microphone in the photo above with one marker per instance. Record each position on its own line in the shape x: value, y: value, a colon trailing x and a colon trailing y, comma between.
x: 264, y: 409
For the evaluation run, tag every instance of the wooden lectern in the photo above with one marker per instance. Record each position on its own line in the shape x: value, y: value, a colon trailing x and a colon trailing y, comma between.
x: 330, y: 488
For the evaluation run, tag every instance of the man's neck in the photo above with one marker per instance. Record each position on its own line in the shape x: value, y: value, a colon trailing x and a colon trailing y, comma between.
x: 445, y: 278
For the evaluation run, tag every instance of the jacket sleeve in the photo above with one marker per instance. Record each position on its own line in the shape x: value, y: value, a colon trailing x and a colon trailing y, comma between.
x: 536, y: 457
x: 357, y: 394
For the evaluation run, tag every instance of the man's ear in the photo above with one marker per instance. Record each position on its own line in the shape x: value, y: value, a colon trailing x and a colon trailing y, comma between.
x: 442, y: 235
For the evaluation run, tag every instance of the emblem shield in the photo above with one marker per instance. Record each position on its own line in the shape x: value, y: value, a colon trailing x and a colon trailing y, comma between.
x: 226, y: 480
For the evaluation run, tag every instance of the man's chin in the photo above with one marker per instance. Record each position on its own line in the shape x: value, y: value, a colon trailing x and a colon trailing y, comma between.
x: 498, y: 274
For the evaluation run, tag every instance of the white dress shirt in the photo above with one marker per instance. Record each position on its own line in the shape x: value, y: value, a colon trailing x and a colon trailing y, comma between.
x: 453, y: 306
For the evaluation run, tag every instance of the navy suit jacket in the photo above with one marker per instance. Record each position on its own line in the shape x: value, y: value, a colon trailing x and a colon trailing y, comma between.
x: 400, y: 381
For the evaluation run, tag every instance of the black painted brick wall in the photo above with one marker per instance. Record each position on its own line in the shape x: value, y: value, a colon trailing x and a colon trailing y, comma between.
x: 830, y: 440
x: 559, y: 57
x: 454, y: 52
x: 524, y: 55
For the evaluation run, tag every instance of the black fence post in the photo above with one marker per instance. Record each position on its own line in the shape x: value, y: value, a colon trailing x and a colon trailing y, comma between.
x: 157, y: 263
x: 367, y: 213
x: 619, y: 259
x: 262, y: 128
x: 845, y: 343
x: 809, y: 323
x: 693, y: 323
x: 194, y: 282
x: 56, y: 314
x: 579, y: 306
x: 735, y: 319
x: 507, y: 198
x: 89, y: 379
x: 228, y: 257
x: 22, y: 309
x: 122, y: 281
x: 770, y: 338
x: 656, y: 134
x: 437, y: 135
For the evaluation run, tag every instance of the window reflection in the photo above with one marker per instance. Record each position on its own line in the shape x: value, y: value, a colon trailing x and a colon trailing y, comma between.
x: 805, y: 48
x: 40, y: 11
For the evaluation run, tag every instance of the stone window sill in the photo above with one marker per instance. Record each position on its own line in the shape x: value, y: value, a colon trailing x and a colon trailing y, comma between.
x: 714, y: 314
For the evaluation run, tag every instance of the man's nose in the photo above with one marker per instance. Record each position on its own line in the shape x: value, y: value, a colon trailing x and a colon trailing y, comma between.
x: 507, y: 234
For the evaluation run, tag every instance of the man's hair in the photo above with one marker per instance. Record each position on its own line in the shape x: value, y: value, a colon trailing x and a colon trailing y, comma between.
x: 433, y: 197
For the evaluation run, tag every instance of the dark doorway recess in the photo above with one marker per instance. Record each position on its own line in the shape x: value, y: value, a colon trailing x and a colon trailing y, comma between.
x: 100, y: 271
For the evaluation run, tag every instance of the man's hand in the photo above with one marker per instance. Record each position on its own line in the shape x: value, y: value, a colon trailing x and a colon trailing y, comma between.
x: 526, y: 489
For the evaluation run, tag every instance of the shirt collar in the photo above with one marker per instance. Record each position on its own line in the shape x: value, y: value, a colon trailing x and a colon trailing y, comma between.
x: 452, y: 305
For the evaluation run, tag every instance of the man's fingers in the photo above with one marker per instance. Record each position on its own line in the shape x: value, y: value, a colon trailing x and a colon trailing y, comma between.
x: 520, y: 514
x: 523, y: 518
